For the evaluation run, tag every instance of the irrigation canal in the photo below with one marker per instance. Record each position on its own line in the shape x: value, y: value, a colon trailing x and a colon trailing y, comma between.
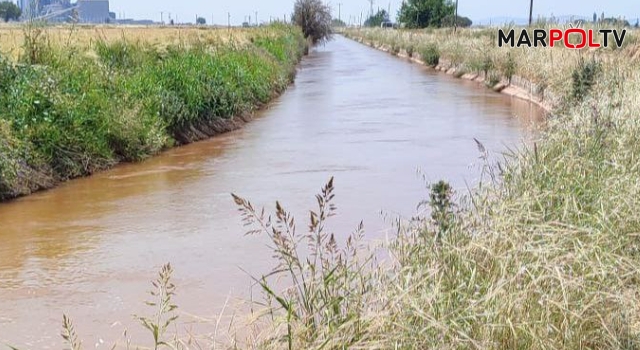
x: 90, y: 247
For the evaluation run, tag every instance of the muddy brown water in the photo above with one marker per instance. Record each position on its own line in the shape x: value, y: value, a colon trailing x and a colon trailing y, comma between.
x: 90, y: 247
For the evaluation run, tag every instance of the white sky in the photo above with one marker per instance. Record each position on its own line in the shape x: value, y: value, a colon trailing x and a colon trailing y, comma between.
x: 186, y: 10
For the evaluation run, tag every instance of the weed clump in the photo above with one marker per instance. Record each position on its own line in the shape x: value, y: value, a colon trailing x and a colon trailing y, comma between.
x: 395, y: 49
x: 410, y: 50
x: 509, y: 67
x: 325, y: 302
x: 430, y: 54
x: 584, y: 77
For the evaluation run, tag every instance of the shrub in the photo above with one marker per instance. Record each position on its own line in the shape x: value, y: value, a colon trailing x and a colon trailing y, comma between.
x: 487, y: 65
x: 583, y: 78
x: 410, y: 48
x: 395, y: 49
x: 314, y: 17
x: 430, y: 55
x: 493, y: 79
x: 509, y: 67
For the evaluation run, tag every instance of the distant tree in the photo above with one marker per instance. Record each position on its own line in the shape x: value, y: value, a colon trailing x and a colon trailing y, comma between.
x: 337, y: 23
x: 377, y: 19
x: 314, y: 18
x: 617, y: 22
x: 201, y: 21
x: 595, y: 17
x: 460, y: 20
x: 602, y: 16
x: 637, y: 23
x: 74, y: 17
x: 425, y: 13
x: 9, y: 11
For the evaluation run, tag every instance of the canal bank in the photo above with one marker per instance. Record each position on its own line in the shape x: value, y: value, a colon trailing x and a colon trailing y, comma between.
x: 71, y: 111
x: 489, y: 71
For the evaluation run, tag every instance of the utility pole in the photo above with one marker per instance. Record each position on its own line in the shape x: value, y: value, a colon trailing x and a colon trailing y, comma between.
x: 455, y: 19
x: 229, y: 19
x: 371, y: 8
x: 256, y: 18
x: 340, y: 11
x: 531, y: 14
x: 161, y: 17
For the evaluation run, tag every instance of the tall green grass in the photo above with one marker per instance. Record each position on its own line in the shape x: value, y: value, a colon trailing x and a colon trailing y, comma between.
x: 65, y: 113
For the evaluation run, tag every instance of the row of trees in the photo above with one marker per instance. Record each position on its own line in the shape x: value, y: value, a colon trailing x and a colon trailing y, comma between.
x: 423, y: 13
x: 314, y: 17
x: 9, y: 11
x: 426, y: 13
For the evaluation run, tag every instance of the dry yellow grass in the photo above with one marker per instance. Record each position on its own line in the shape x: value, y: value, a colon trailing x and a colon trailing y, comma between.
x: 12, y: 36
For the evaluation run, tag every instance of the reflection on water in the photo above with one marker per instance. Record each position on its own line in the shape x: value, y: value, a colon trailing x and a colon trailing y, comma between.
x: 89, y: 247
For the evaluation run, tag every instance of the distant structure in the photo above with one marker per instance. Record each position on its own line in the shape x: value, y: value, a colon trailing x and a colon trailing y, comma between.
x: 83, y: 11
x: 93, y: 11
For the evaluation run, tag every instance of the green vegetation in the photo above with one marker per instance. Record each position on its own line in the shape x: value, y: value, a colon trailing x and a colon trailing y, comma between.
x: 314, y: 18
x: 430, y: 54
x: 9, y: 11
x: 584, y: 77
x: 460, y: 21
x: 376, y: 19
x: 65, y: 114
x: 338, y: 23
x: 426, y: 13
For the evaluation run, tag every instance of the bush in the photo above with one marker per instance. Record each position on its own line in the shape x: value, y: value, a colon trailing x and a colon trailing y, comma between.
x: 509, y: 67
x: 410, y: 48
x: 314, y: 18
x: 430, y: 55
x: 395, y: 49
x: 583, y: 78
x: 487, y: 65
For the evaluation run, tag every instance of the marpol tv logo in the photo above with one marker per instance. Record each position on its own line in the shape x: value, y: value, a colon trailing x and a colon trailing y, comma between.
x: 571, y: 38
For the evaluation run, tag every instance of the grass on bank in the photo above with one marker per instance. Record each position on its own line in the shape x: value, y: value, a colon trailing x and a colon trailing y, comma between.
x: 475, y: 51
x: 68, y: 109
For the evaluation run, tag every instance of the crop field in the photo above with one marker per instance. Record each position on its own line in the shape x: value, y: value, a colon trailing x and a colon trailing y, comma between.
x: 12, y: 37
